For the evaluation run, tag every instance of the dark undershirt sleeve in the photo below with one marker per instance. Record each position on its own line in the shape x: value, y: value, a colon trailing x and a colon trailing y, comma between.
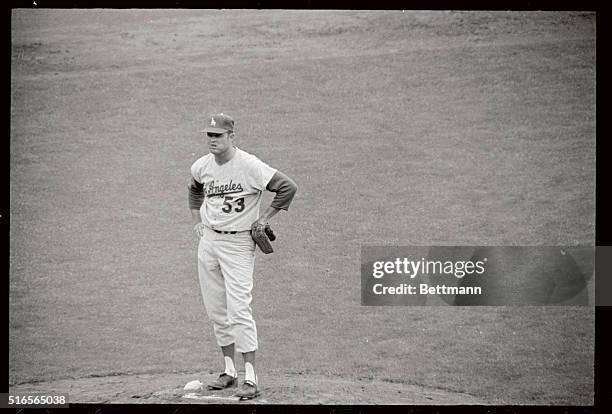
x: 284, y: 187
x: 196, y: 194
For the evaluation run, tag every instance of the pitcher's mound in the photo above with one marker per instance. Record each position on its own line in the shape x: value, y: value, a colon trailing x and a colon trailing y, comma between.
x: 276, y: 388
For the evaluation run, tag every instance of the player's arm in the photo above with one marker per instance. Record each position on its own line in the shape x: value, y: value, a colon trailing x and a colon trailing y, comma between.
x: 284, y: 189
x: 196, y: 198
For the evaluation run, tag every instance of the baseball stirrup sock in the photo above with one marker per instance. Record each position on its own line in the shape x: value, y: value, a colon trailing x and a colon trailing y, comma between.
x: 229, y: 366
x: 249, y: 372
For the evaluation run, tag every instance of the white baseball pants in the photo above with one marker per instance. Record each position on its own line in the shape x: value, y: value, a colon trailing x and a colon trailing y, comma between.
x: 225, y: 270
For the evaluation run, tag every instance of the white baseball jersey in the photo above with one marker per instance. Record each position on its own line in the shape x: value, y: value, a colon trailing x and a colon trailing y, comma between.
x: 232, y: 191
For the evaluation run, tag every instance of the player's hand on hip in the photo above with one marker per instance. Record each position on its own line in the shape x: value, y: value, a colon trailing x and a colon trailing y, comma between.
x: 261, y: 221
x: 198, y: 230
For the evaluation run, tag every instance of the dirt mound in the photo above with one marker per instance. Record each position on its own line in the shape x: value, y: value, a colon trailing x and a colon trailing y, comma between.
x: 276, y: 389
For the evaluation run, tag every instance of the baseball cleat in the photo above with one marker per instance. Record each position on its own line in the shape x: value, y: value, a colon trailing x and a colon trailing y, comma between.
x: 224, y: 381
x: 248, y: 391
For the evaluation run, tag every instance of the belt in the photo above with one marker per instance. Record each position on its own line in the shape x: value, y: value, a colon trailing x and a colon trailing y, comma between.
x: 224, y: 232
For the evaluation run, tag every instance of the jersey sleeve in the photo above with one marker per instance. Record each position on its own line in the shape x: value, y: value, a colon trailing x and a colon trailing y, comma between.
x: 285, y: 189
x: 260, y: 173
x: 195, y: 170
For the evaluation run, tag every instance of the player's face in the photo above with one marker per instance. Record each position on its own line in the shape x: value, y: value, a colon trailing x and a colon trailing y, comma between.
x: 218, y: 143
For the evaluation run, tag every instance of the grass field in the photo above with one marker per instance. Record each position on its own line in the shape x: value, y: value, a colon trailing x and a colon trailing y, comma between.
x: 415, y: 128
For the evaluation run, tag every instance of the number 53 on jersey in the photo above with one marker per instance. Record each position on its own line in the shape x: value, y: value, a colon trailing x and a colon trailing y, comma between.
x: 237, y: 207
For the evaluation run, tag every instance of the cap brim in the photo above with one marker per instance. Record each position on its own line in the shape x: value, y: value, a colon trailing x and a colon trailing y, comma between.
x: 214, y: 130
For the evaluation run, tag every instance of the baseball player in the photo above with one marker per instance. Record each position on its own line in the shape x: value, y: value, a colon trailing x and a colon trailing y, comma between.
x: 225, y: 194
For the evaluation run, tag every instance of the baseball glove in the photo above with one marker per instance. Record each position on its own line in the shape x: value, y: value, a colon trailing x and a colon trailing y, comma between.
x: 262, y: 234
